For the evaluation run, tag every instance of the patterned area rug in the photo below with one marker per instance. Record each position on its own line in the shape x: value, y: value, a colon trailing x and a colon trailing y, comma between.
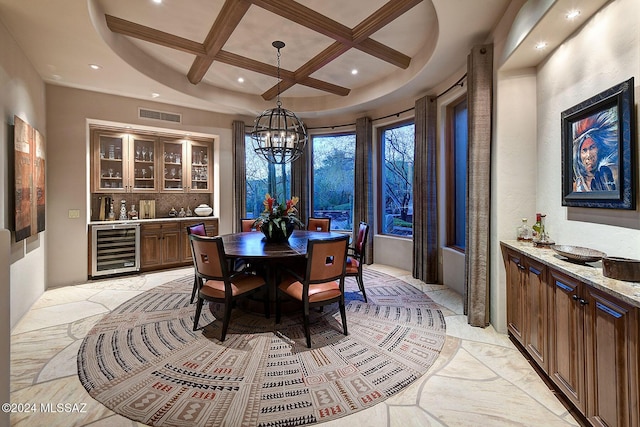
x: 144, y: 362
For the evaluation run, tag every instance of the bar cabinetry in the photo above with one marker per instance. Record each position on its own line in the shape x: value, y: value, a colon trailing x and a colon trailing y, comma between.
x: 582, y: 331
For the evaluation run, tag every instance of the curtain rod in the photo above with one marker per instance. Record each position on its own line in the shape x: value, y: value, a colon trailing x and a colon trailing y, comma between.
x: 460, y: 83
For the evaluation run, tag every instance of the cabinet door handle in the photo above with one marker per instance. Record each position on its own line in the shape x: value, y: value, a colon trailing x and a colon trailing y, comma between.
x: 583, y: 301
x: 521, y: 267
x: 575, y: 297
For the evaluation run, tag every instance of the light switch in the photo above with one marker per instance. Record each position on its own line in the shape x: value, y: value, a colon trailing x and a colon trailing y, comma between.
x: 74, y: 213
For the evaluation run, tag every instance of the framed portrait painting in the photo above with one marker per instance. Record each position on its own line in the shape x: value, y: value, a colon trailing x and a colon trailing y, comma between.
x: 598, y: 158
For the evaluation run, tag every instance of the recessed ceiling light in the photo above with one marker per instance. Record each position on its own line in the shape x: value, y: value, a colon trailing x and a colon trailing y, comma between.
x: 354, y: 71
x: 94, y: 66
x: 572, y: 14
x: 541, y: 45
x: 157, y: 1
x: 155, y: 95
x: 240, y: 80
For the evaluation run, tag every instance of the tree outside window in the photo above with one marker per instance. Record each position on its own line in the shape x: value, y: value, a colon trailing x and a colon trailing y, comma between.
x: 262, y: 178
x: 333, y: 165
x: 397, y: 179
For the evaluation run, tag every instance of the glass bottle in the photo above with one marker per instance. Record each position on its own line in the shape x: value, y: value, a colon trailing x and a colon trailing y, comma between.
x: 133, y: 214
x: 536, y: 226
x: 524, y: 232
x: 123, y: 211
x: 543, y: 232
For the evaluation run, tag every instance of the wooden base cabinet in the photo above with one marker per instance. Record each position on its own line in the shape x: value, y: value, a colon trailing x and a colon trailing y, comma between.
x: 160, y: 245
x: 527, y: 308
x: 567, y: 339
x: 611, y: 340
x: 584, y: 339
x: 165, y: 244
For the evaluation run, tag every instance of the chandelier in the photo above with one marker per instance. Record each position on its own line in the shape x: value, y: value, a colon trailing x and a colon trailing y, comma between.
x: 278, y: 134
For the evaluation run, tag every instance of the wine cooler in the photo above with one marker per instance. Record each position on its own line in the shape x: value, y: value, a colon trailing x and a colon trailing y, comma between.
x: 115, y: 249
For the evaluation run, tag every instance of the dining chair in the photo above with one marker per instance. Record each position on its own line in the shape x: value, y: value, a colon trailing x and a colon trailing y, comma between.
x: 218, y: 283
x: 355, y: 257
x: 319, y: 224
x: 322, y: 283
x: 199, y: 230
x: 248, y: 225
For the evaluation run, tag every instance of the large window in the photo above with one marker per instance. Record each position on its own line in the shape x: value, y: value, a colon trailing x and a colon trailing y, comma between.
x: 457, y: 174
x: 396, y: 186
x: 262, y: 178
x: 333, y: 165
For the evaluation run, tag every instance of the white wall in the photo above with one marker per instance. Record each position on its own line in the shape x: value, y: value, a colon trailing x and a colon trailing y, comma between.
x: 5, y: 321
x: 526, y: 175
x: 604, y: 53
x: 21, y: 94
x: 513, y: 177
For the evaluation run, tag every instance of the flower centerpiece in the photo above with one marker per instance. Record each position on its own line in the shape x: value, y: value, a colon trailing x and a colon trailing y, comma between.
x: 278, y: 220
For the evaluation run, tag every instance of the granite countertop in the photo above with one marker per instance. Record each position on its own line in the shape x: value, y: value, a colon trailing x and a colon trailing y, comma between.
x: 590, y: 273
x: 137, y: 221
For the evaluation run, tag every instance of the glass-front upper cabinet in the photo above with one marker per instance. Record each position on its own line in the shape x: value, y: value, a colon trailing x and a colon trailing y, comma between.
x: 200, y: 169
x: 123, y: 163
x: 172, y: 162
x: 144, y: 174
x: 186, y: 166
x: 110, y: 171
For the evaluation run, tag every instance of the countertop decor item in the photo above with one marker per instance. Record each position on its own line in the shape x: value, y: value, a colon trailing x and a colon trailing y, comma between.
x: 203, y: 210
x: 278, y: 220
x: 621, y: 268
x: 578, y: 254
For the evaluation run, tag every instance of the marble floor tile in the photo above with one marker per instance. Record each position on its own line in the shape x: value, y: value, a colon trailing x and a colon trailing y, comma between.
x: 480, y: 378
x: 59, y: 314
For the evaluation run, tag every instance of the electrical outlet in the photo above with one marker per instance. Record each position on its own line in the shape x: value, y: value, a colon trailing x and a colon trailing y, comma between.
x: 74, y: 213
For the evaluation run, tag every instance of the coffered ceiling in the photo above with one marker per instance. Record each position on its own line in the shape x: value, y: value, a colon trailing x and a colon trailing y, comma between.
x: 340, y: 56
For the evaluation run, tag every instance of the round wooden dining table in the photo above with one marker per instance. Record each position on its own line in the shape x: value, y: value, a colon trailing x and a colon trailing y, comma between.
x: 270, y: 257
x: 251, y: 245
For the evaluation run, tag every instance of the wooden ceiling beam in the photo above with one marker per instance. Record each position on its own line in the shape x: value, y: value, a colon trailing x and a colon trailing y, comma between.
x: 287, y: 77
x: 381, y: 17
x: 314, y: 64
x: 128, y: 28
x: 384, y: 53
x: 308, y: 18
x: 226, y: 22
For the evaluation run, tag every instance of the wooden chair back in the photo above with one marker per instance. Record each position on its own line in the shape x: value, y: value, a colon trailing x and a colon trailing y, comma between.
x: 209, y: 258
x: 326, y: 259
x: 361, y: 239
x: 197, y: 229
x: 247, y: 224
x: 319, y: 224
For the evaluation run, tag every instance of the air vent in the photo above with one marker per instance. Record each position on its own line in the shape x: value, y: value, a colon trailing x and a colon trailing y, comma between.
x: 144, y: 113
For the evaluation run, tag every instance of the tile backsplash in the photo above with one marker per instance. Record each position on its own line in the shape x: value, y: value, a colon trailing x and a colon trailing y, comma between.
x: 164, y: 202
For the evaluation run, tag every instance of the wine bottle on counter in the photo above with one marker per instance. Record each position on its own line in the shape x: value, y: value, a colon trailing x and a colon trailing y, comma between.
x: 537, y: 225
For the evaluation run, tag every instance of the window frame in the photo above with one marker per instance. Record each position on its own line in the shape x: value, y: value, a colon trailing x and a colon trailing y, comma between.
x: 450, y: 174
x: 312, y: 172
x: 379, y: 172
x: 272, y: 181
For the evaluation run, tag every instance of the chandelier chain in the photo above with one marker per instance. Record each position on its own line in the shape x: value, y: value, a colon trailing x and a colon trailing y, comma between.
x: 278, y: 103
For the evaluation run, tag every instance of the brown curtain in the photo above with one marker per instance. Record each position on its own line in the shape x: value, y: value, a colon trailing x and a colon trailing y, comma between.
x: 300, y: 183
x: 239, y: 173
x: 425, y: 212
x: 480, y: 105
x: 363, y: 196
